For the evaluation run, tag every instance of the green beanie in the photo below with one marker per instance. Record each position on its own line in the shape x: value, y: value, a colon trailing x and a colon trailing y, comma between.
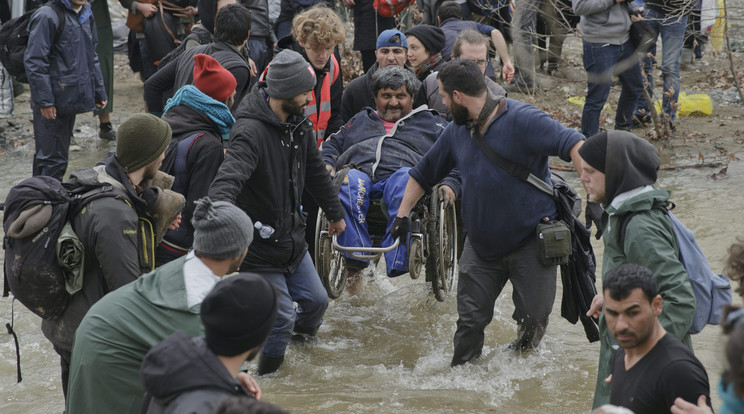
x: 140, y: 140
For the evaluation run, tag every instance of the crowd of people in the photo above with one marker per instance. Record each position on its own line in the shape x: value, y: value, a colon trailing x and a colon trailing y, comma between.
x: 248, y: 122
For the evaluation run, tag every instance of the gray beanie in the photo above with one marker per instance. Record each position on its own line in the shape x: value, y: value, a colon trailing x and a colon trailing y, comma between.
x: 221, y: 230
x: 289, y: 75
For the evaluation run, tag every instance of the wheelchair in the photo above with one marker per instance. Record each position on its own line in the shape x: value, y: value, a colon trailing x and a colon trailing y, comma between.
x: 432, y: 246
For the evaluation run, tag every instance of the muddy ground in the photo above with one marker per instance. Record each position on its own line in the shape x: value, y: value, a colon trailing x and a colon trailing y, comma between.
x: 709, y: 141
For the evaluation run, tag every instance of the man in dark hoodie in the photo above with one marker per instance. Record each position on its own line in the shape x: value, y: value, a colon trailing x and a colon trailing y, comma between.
x: 116, y: 231
x: 200, y: 117
x: 232, y: 29
x: 184, y: 374
x: 623, y: 183
x: 272, y: 157
x: 120, y: 329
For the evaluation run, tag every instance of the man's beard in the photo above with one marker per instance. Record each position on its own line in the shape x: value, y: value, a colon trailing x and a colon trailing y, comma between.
x: 291, y: 108
x: 459, y: 114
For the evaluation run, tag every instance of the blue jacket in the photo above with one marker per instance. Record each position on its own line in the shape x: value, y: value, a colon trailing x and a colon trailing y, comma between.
x: 499, y: 211
x: 64, y: 73
x: 364, y: 143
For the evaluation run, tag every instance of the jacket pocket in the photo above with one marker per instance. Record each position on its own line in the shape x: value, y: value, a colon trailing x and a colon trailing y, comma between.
x: 73, y: 95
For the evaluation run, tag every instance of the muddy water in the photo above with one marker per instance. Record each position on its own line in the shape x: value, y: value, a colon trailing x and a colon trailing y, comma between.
x: 388, y: 349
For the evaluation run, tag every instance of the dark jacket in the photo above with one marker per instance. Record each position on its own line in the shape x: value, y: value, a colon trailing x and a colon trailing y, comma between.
x: 180, y: 72
x: 267, y: 166
x: 260, y: 24
x: 64, y: 73
x: 368, y: 25
x: 452, y: 28
x: 359, y: 140
x: 109, y: 229
x: 337, y: 87
x: 202, y: 161
x: 182, y: 375
x: 358, y: 95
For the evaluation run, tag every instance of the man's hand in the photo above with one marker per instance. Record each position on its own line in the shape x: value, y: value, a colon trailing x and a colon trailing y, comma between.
x: 252, y: 65
x: 146, y: 9
x: 176, y: 223
x: 49, y: 112
x: 507, y: 72
x: 249, y: 384
x: 348, y: 3
x: 446, y: 194
x: 400, y: 228
x: 596, y: 308
x: 102, y: 104
x: 337, y: 227
x: 683, y: 407
x: 331, y: 170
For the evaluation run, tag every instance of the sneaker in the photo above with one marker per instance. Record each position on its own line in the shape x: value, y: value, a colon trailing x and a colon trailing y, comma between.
x: 106, y: 132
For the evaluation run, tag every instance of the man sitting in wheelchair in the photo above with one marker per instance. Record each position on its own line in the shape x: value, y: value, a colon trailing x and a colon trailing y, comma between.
x: 381, y: 146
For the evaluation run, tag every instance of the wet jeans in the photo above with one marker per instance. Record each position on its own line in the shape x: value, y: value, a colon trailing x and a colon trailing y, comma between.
x: 672, y: 32
x: 602, y: 61
x: 52, y: 139
x: 480, y: 283
x: 304, y: 287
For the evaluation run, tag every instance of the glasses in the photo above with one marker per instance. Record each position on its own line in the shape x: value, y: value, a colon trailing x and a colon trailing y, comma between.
x: 480, y: 62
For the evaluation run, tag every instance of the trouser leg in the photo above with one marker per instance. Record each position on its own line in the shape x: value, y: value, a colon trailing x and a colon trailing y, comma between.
x: 396, y: 260
x: 354, y: 197
x: 65, y: 357
x: 306, y: 289
x: 632, y: 86
x: 480, y: 283
x: 52, y: 139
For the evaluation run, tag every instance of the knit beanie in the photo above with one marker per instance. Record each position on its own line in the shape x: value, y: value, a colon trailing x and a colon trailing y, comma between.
x: 289, y: 75
x: 392, y: 38
x: 431, y: 37
x: 140, y: 140
x: 594, y: 151
x: 238, y: 314
x: 221, y: 230
x: 212, y: 79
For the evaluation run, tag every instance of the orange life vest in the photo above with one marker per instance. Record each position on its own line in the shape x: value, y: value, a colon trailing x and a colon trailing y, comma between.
x: 320, y: 118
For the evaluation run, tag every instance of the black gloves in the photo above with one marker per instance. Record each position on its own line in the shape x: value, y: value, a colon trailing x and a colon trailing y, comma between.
x: 400, y: 228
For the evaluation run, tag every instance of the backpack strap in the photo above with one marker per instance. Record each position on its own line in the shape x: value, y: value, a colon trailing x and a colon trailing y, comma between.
x: 81, y: 198
x: 61, y: 18
x: 626, y: 219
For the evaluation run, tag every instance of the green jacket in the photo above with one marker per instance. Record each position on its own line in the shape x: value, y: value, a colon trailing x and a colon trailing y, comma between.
x: 118, y: 331
x: 649, y: 242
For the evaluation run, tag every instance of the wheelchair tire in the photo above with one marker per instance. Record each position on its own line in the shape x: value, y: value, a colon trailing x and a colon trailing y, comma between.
x: 329, y: 263
x: 442, y: 260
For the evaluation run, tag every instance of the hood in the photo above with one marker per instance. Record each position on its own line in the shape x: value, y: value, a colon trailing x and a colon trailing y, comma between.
x: 181, y: 364
x: 639, y: 199
x: 631, y: 162
x: 108, y: 171
x: 165, y: 287
x: 184, y: 121
x: 256, y: 106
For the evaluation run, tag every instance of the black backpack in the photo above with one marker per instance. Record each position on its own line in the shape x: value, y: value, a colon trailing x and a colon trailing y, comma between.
x: 36, y: 212
x: 14, y: 40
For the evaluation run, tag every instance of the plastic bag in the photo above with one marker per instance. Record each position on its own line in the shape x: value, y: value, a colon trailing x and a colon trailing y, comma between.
x: 6, y: 94
x: 697, y: 104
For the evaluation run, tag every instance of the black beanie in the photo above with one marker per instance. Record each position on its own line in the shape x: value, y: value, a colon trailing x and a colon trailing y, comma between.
x: 431, y: 37
x: 594, y: 151
x: 634, y: 163
x: 238, y: 314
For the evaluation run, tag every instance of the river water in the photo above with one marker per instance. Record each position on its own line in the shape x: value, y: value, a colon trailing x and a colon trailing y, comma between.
x: 387, y: 350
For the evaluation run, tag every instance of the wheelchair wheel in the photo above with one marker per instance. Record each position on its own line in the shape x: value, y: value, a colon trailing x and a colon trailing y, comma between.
x: 329, y: 263
x: 442, y: 265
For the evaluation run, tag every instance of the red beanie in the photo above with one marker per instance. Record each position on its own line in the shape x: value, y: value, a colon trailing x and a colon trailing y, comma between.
x: 212, y: 79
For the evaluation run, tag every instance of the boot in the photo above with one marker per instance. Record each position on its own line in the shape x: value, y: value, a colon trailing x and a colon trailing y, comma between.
x: 164, y: 206
x: 268, y: 364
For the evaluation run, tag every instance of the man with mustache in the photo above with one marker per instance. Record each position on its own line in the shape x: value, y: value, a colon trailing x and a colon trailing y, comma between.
x: 652, y: 368
x: 383, y: 144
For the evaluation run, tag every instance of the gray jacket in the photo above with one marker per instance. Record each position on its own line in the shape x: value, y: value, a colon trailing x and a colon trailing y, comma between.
x: 603, y: 21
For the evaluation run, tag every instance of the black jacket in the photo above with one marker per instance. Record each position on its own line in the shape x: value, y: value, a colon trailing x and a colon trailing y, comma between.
x: 368, y: 25
x: 110, y: 231
x: 179, y: 72
x: 181, y: 375
x: 202, y: 162
x: 358, y: 95
x: 266, y: 168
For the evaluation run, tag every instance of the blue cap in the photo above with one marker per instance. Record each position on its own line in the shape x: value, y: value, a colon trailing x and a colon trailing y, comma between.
x: 392, y: 38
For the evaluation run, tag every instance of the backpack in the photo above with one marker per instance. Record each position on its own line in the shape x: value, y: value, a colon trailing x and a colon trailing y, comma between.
x: 712, y: 290
x: 43, y: 256
x: 14, y: 40
x: 390, y: 8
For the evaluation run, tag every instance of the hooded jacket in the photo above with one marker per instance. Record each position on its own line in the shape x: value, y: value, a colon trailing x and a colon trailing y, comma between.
x: 64, y: 72
x: 182, y: 375
x: 267, y: 166
x: 650, y: 241
x: 118, y: 331
x: 603, y: 21
x: 110, y: 230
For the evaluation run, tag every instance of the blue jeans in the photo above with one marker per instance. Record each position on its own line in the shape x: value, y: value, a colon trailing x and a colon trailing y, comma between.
x: 355, y: 194
x: 304, y: 287
x: 52, y: 139
x: 601, y: 61
x: 672, y: 31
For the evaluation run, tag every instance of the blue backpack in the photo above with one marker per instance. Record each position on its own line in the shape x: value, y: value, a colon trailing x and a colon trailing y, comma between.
x: 712, y: 290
